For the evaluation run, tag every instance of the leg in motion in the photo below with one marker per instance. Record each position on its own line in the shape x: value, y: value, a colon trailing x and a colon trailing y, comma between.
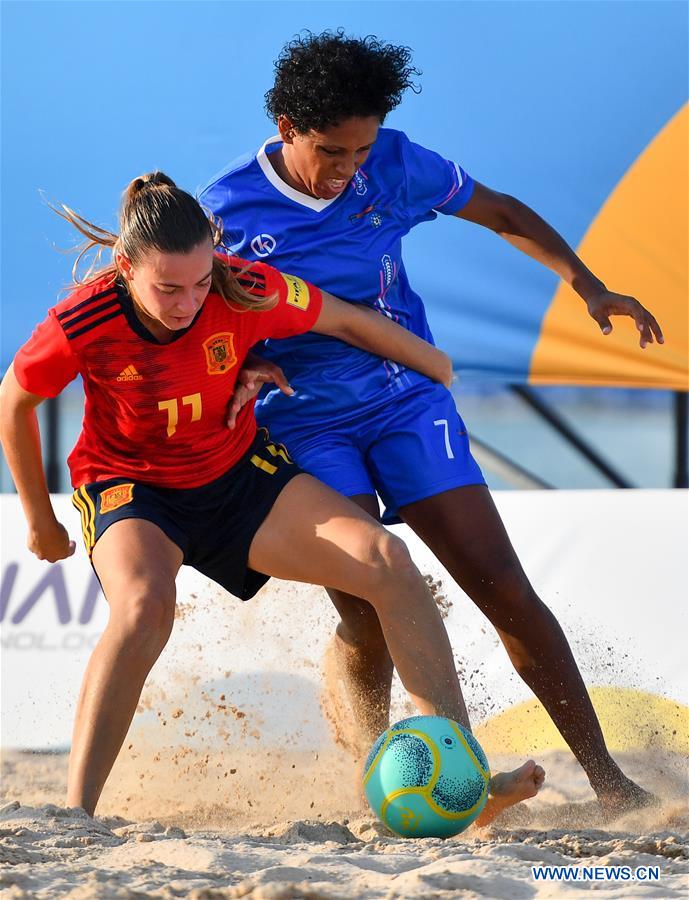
x: 464, y: 530
x: 339, y: 545
x: 358, y: 659
x: 137, y: 565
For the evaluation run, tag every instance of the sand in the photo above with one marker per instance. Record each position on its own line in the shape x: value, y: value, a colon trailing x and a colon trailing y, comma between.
x: 230, y: 785
x: 269, y: 826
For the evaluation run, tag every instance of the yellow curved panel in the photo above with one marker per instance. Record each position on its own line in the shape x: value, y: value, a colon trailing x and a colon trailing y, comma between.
x: 631, y: 720
x: 638, y: 244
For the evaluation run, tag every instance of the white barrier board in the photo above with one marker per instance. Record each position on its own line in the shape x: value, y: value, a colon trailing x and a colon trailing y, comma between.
x: 612, y: 565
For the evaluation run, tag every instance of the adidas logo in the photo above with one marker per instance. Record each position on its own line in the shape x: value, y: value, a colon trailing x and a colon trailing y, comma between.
x: 129, y: 374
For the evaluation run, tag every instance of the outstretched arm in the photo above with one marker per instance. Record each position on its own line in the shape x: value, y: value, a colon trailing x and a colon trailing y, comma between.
x: 528, y: 232
x: 21, y: 442
x: 372, y: 331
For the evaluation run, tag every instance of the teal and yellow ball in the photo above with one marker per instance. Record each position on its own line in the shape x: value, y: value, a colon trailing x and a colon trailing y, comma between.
x: 426, y: 776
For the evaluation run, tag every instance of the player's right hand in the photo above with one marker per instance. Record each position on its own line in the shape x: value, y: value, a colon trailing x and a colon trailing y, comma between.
x: 50, y: 542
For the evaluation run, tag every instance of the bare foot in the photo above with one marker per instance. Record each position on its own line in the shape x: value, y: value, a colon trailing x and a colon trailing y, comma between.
x: 623, y: 798
x: 507, y: 788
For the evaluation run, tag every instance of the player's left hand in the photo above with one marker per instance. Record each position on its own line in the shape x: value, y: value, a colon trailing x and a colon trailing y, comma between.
x: 252, y: 376
x: 606, y: 304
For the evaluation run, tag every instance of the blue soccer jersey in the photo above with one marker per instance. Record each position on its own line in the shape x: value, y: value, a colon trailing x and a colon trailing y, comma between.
x: 350, y: 246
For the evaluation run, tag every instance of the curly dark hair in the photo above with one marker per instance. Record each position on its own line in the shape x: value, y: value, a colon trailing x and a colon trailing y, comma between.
x: 322, y: 79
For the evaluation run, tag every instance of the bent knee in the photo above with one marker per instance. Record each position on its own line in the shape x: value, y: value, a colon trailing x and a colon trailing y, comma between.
x: 390, y: 557
x: 144, y: 616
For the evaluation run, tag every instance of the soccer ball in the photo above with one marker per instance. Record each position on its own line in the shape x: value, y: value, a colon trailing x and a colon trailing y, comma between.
x: 426, y: 776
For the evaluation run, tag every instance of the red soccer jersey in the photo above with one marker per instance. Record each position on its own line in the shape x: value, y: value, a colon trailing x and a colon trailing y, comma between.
x: 156, y: 412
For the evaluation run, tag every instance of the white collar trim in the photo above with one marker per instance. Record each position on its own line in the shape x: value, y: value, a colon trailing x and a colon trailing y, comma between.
x: 303, y: 199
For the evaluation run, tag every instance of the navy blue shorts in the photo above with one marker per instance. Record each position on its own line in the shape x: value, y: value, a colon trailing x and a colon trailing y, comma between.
x: 413, y: 447
x: 213, y: 525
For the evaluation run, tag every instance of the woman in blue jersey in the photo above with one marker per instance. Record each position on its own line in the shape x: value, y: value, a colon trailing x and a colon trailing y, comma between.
x: 330, y: 199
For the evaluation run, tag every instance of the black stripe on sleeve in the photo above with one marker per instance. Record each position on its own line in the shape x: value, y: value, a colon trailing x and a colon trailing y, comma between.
x: 244, y: 272
x: 94, y: 324
x: 110, y: 293
x: 67, y: 326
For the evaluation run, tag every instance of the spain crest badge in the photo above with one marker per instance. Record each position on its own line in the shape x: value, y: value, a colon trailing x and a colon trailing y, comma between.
x: 113, y: 498
x: 220, y: 355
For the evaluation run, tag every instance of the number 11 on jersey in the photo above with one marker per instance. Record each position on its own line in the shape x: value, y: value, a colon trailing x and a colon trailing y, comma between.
x: 172, y: 408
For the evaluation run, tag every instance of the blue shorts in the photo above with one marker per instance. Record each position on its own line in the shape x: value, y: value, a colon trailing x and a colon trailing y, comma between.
x: 409, y: 449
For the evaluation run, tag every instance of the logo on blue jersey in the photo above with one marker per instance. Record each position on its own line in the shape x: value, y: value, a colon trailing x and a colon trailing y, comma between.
x: 359, y: 184
x: 263, y: 244
x: 388, y: 269
x: 375, y: 218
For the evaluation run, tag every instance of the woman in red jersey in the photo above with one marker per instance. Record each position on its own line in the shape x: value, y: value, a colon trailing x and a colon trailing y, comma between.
x: 160, y: 480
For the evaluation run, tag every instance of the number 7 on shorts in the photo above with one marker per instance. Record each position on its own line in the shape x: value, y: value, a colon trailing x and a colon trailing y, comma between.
x: 448, y: 448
